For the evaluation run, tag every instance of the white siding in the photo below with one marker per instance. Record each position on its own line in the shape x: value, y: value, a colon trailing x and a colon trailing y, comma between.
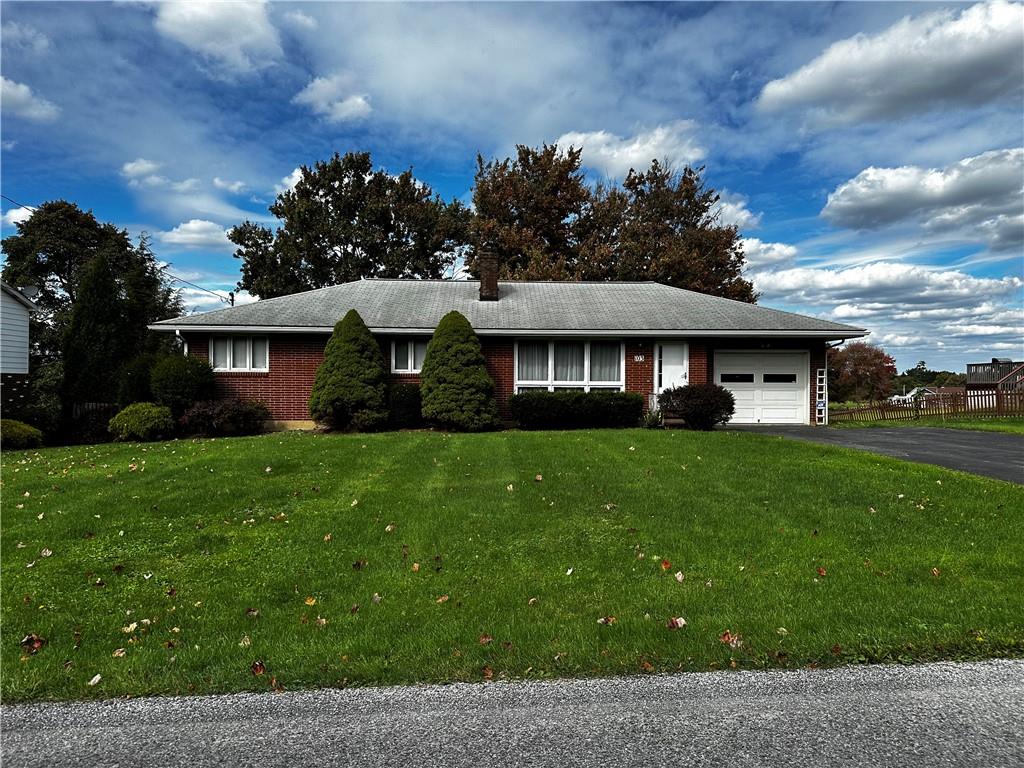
x: 13, y: 335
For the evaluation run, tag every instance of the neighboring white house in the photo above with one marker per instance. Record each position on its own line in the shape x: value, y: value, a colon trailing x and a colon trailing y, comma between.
x: 15, y: 309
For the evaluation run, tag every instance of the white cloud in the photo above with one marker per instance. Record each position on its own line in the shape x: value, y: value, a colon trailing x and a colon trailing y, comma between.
x: 8, y: 145
x: 334, y: 98
x: 23, y: 38
x: 288, y: 182
x: 16, y: 215
x: 982, y: 194
x: 899, y: 340
x: 935, y: 60
x: 300, y: 20
x: 18, y: 99
x: 140, y: 167
x: 615, y: 155
x: 197, y: 233
x: 201, y: 301
x: 234, y: 187
x: 732, y: 209
x: 237, y: 37
x: 760, y: 254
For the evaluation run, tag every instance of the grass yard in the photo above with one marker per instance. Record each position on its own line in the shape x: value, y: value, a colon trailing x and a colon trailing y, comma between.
x: 302, y: 560
x: 1012, y: 424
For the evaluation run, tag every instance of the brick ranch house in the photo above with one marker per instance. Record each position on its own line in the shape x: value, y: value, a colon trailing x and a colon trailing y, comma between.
x: 638, y: 337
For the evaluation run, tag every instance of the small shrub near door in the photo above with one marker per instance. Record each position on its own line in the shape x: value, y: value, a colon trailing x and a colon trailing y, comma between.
x: 16, y: 435
x: 350, y: 384
x: 143, y: 421
x: 576, y: 410
x: 224, y: 418
x: 458, y: 392
x: 701, y: 406
x: 179, y: 381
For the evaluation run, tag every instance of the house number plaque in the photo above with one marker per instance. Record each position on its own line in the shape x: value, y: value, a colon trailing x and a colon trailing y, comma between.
x: 638, y: 358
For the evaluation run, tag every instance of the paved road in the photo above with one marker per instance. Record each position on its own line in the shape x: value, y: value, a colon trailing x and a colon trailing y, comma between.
x: 995, y: 454
x: 935, y: 715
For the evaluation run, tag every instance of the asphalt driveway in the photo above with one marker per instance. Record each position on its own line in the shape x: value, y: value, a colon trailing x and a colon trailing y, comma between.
x: 935, y: 715
x: 995, y: 454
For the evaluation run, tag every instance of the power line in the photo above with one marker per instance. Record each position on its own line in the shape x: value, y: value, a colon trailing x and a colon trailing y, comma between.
x: 231, y: 294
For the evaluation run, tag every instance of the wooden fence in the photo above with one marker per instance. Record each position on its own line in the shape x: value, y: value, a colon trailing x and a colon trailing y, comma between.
x: 992, y: 403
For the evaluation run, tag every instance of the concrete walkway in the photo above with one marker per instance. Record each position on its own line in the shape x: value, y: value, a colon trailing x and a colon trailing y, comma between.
x: 934, y: 715
x: 995, y: 454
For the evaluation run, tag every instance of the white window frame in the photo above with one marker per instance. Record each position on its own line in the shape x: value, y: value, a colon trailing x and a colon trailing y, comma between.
x: 232, y: 368
x: 411, y: 341
x: 551, y: 384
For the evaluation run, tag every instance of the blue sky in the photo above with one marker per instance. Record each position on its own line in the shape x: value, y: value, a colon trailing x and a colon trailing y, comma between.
x: 872, y: 153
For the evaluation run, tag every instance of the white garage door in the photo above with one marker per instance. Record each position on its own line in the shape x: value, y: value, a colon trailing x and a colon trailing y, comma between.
x: 769, y: 387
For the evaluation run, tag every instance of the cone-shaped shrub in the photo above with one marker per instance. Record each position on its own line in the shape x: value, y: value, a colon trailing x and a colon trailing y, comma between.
x: 350, y: 385
x: 457, y: 391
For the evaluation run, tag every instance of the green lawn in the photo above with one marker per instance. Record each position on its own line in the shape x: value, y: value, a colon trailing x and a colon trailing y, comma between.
x: 1011, y: 424
x: 300, y: 551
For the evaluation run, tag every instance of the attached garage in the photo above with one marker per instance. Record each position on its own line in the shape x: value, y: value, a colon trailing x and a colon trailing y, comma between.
x: 769, y: 387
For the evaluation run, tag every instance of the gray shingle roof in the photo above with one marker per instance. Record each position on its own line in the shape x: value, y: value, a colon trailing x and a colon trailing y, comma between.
x: 418, y: 305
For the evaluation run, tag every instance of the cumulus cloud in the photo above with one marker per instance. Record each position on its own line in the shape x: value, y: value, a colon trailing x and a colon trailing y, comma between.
x: 760, y: 254
x: 141, y: 167
x: 23, y: 38
x: 615, y: 155
x: 201, y: 301
x: 234, y: 187
x: 935, y: 60
x: 334, y: 98
x: 288, y: 182
x: 197, y: 233
x: 8, y: 145
x: 983, y: 194
x: 18, y: 99
x: 16, y: 215
x: 237, y: 37
x: 732, y: 209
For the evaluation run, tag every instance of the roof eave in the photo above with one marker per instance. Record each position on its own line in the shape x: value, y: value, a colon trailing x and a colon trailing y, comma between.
x: 826, y: 334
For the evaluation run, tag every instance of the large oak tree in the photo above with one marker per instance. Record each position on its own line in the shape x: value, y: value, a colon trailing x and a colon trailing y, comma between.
x: 344, y: 221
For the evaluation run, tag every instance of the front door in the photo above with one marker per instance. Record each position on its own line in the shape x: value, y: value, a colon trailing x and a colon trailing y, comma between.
x: 672, y: 366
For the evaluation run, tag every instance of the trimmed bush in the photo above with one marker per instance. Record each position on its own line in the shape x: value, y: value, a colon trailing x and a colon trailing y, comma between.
x: 17, y: 435
x: 179, y: 381
x: 576, y: 410
x: 224, y: 417
x: 405, y: 406
x: 457, y: 391
x: 143, y: 421
x: 351, y: 383
x: 701, y: 406
x: 135, y: 379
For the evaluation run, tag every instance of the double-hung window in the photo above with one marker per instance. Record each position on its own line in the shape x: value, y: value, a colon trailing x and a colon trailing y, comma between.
x: 565, y: 365
x: 240, y: 353
x: 407, y: 355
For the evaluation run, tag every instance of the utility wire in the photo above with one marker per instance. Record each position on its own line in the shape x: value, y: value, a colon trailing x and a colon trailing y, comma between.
x: 231, y: 294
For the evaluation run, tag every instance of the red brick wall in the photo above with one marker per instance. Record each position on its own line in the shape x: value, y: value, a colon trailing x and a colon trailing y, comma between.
x: 500, y: 355
x: 640, y: 373
x: 698, y: 363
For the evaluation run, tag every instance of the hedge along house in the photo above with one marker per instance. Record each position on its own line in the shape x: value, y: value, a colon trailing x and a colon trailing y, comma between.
x: 637, y: 337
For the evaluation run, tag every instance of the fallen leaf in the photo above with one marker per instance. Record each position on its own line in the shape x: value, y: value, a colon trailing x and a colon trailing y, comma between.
x: 268, y: 470
x: 415, y: 567
x: 680, y: 576
x: 510, y: 487
x: 646, y: 666
x: 488, y: 673
x: 606, y: 620
x: 354, y: 502
x: 442, y: 599
x: 935, y: 572
x: 538, y: 478
x: 245, y: 642
x: 837, y: 649
x: 782, y: 631
x: 821, y: 571
x: 665, y: 565
x: 376, y: 598
x: 45, y: 553
x: 389, y: 528
x: 569, y: 572
x: 252, y: 613
x: 354, y: 608
x: 676, y: 622
x: 310, y: 600
x: 278, y: 688
x: 32, y: 643
x: 358, y: 565
x: 327, y: 537
x: 486, y: 639
x: 258, y: 667
x: 322, y: 622
x: 730, y: 639
x: 118, y: 653
x: 532, y: 601
x: 95, y: 679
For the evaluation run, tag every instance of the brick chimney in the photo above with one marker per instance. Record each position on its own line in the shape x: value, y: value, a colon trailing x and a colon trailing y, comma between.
x: 487, y: 265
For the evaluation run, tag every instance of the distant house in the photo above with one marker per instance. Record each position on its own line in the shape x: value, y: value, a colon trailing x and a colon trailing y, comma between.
x: 15, y: 309
x: 635, y: 337
x: 928, y: 393
x: 1002, y: 374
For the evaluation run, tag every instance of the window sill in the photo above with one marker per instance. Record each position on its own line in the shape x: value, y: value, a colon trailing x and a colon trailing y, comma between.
x: 226, y: 372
